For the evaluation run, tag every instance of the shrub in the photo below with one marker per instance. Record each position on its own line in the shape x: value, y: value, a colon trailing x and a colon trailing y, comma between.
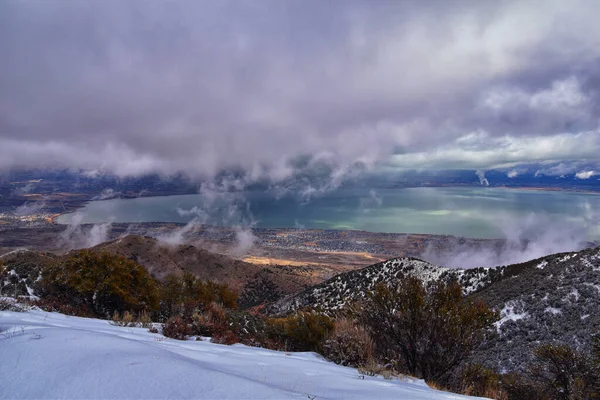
x: 103, y: 282
x: 187, y: 295
x: 372, y: 368
x: 125, y: 320
x: 176, y: 328
x: 7, y: 304
x: 566, y: 373
x: 212, y: 321
x: 227, y: 337
x: 476, y: 380
x: 144, y: 319
x: 303, y: 331
x: 3, y: 275
x: 348, y: 344
x: 425, y: 332
x: 519, y: 387
x: 251, y: 329
x: 53, y: 304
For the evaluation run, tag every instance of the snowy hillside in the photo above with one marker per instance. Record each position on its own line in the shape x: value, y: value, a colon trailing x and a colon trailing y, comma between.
x: 339, y: 290
x: 554, y: 298
x: 49, y: 355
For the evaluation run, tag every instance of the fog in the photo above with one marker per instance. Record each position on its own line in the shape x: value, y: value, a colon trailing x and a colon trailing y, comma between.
x: 524, y: 239
x: 78, y: 236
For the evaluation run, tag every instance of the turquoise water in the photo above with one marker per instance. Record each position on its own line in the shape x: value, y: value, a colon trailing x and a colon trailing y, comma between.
x: 468, y: 212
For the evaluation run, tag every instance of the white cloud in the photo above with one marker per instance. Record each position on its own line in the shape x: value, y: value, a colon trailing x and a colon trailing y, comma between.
x: 488, y: 152
x: 483, y: 181
x: 585, y: 174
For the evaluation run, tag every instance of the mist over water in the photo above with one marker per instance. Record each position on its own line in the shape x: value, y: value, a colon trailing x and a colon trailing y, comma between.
x: 532, y: 224
x: 465, y: 212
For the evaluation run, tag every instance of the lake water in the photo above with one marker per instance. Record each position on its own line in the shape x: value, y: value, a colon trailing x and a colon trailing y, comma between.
x: 468, y: 212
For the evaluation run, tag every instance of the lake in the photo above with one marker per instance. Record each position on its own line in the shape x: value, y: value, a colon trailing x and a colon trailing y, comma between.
x: 460, y: 211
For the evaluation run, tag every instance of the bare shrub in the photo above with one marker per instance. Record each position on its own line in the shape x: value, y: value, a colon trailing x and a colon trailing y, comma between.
x: 227, y: 337
x: 212, y: 321
x: 425, y: 331
x: 349, y: 344
x: 476, y: 380
x: 566, y: 373
x: 176, y: 328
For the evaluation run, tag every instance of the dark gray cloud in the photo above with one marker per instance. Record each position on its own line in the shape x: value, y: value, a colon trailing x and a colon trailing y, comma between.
x: 138, y: 87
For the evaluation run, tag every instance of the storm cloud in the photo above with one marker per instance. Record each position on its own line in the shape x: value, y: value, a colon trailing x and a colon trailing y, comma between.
x: 270, y: 87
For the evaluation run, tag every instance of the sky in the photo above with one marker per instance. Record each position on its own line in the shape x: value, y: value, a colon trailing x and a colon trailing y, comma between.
x: 274, y: 88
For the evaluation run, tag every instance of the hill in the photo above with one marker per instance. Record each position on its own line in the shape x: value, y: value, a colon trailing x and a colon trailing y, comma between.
x: 256, y: 284
x: 554, y: 298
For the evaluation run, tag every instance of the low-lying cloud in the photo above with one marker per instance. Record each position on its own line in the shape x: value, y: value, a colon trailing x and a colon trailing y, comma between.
x: 524, y: 239
x: 220, y: 206
x: 79, y: 236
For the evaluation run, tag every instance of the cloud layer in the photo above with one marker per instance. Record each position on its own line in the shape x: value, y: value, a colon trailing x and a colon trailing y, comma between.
x: 273, y: 87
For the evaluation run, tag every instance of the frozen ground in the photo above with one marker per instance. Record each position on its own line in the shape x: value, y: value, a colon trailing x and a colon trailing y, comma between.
x: 53, y: 356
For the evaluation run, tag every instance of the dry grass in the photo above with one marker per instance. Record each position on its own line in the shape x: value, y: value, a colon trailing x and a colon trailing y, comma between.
x: 128, y: 320
x: 489, y: 393
x: 373, y: 369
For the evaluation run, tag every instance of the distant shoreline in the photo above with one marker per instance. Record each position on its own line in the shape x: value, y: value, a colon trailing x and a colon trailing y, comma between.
x: 53, y: 219
x: 548, y: 189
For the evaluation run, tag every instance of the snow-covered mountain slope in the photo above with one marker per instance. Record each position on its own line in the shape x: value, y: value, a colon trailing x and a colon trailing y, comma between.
x: 52, y: 356
x: 556, y: 299
x: 334, y: 293
x: 552, y: 299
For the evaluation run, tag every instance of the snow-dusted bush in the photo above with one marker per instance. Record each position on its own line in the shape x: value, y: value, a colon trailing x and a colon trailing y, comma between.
x: 11, y: 304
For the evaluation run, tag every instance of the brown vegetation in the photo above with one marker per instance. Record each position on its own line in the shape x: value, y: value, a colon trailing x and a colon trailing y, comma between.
x: 349, y: 344
x: 425, y: 332
x: 101, y: 283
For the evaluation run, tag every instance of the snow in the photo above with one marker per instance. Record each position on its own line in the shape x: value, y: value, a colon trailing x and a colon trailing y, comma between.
x: 542, y: 265
x: 510, y: 313
x: 552, y: 310
x: 567, y: 257
x: 575, y: 294
x: 53, y: 356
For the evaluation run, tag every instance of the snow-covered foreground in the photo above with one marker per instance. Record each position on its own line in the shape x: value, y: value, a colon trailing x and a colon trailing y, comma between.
x: 53, y: 356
